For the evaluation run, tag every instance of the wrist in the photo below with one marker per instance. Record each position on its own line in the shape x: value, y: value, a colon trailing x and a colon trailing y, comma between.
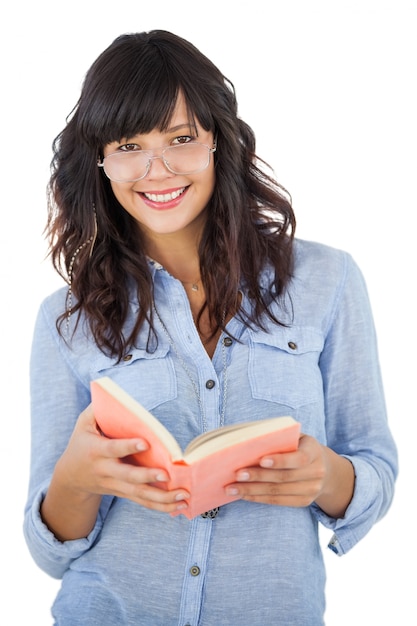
x: 338, y: 485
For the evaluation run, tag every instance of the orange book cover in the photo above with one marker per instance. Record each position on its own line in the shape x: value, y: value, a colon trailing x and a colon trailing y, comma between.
x: 209, y: 462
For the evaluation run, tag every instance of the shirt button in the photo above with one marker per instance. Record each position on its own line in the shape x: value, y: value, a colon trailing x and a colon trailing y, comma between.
x: 210, y: 384
x: 194, y: 570
x: 227, y: 341
x: 127, y: 357
x: 292, y: 345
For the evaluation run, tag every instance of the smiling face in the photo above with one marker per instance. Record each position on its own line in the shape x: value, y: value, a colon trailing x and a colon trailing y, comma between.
x: 163, y: 203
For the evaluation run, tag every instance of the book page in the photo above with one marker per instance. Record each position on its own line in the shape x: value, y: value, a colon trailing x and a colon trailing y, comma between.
x: 225, y: 436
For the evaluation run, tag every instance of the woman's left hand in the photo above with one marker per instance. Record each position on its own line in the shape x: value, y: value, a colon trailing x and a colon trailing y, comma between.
x: 313, y: 473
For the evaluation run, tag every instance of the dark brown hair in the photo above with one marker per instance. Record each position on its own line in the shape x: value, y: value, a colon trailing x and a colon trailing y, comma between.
x: 132, y: 88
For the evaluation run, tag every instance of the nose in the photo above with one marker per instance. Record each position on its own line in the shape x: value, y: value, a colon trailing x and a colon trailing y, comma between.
x: 157, y: 168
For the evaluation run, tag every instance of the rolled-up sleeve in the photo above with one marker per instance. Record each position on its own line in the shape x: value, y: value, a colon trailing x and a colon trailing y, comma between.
x: 52, y: 556
x: 356, y: 417
x: 58, y: 396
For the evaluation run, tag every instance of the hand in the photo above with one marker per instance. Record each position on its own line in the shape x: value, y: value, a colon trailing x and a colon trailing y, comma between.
x: 92, y: 466
x: 313, y: 473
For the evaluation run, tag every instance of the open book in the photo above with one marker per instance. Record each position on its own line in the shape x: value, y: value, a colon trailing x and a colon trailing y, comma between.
x: 209, y: 462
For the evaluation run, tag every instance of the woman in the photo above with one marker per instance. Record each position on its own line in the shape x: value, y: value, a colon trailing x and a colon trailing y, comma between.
x: 188, y: 288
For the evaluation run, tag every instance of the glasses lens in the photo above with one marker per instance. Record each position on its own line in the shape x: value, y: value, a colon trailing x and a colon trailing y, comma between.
x: 126, y: 166
x: 187, y: 158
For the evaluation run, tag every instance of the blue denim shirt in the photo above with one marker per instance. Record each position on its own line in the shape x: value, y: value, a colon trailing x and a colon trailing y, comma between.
x: 253, y: 564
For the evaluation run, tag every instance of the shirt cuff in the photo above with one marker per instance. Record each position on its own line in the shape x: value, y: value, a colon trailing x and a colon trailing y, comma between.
x: 363, y: 511
x: 51, y: 555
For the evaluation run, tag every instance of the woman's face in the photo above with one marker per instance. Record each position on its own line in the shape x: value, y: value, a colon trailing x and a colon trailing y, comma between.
x: 165, y: 203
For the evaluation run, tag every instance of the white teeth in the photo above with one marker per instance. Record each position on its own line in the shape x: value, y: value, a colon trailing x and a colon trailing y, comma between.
x: 164, y: 197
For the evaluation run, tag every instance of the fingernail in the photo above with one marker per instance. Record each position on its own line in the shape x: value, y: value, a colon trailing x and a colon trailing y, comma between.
x: 182, y: 496
x: 243, y: 476
x: 232, y: 491
x: 141, y: 446
x: 181, y: 506
x: 266, y: 463
x: 161, y: 478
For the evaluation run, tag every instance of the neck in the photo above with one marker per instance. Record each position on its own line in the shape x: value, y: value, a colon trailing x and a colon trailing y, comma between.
x: 181, y: 261
x: 177, y: 251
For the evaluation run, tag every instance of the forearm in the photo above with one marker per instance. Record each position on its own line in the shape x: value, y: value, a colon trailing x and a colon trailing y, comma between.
x: 338, y: 486
x: 68, y: 513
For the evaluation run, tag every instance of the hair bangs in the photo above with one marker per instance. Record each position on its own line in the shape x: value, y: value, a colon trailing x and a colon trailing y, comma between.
x: 128, y: 106
x: 135, y: 91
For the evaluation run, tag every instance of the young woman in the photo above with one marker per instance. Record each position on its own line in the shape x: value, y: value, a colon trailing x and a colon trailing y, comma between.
x: 187, y: 287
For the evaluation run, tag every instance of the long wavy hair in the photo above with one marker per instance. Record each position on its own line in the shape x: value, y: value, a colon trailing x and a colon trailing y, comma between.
x: 132, y: 89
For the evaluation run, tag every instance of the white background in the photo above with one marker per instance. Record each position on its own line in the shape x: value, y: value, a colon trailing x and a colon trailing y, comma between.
x: 330, y: 90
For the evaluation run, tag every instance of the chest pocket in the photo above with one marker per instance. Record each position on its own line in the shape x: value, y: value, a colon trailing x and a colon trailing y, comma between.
x: 283, y: 365
x: 147, y: 377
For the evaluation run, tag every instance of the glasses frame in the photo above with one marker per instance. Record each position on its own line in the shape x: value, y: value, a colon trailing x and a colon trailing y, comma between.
x: 162, y: 157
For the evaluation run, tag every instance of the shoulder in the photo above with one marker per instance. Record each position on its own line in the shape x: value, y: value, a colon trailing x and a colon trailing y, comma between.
x: 324, y: 279
x: 52, y: 322
x: 54, y: 305
x: 69, y: 346
x: 320, y: 264
x: 313, y: 256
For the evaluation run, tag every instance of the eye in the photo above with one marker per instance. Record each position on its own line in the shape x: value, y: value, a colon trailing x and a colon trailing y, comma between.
x: 129, y: 147
x: 183, y: 139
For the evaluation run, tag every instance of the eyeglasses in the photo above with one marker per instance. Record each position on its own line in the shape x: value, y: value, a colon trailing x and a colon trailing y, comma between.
x: 184, y: 158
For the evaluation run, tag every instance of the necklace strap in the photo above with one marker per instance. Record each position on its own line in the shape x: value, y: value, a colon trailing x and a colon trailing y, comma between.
x: 194, y: 284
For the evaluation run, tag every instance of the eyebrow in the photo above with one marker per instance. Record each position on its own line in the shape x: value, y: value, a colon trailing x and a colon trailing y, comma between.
x: 173, y: 129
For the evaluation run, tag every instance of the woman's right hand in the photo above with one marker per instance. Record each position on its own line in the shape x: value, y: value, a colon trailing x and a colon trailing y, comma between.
x: 92, y: 466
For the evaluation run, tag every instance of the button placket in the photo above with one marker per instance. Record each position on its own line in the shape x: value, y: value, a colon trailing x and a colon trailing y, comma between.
x: 194, y: 573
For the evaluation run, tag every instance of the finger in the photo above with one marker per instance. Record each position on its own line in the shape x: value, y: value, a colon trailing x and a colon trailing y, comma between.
x: 87, y: 419
x: 262, y: 489
x: 147, y: 486
x: 120, y: 448
x: 258, y: 474
x: 305, y: 491
x: 313, y: 473
x: 292, y: 460
x: 162, y: 496
x: 153, y: 497
x: 149, y: 482
x: 295, y: 501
